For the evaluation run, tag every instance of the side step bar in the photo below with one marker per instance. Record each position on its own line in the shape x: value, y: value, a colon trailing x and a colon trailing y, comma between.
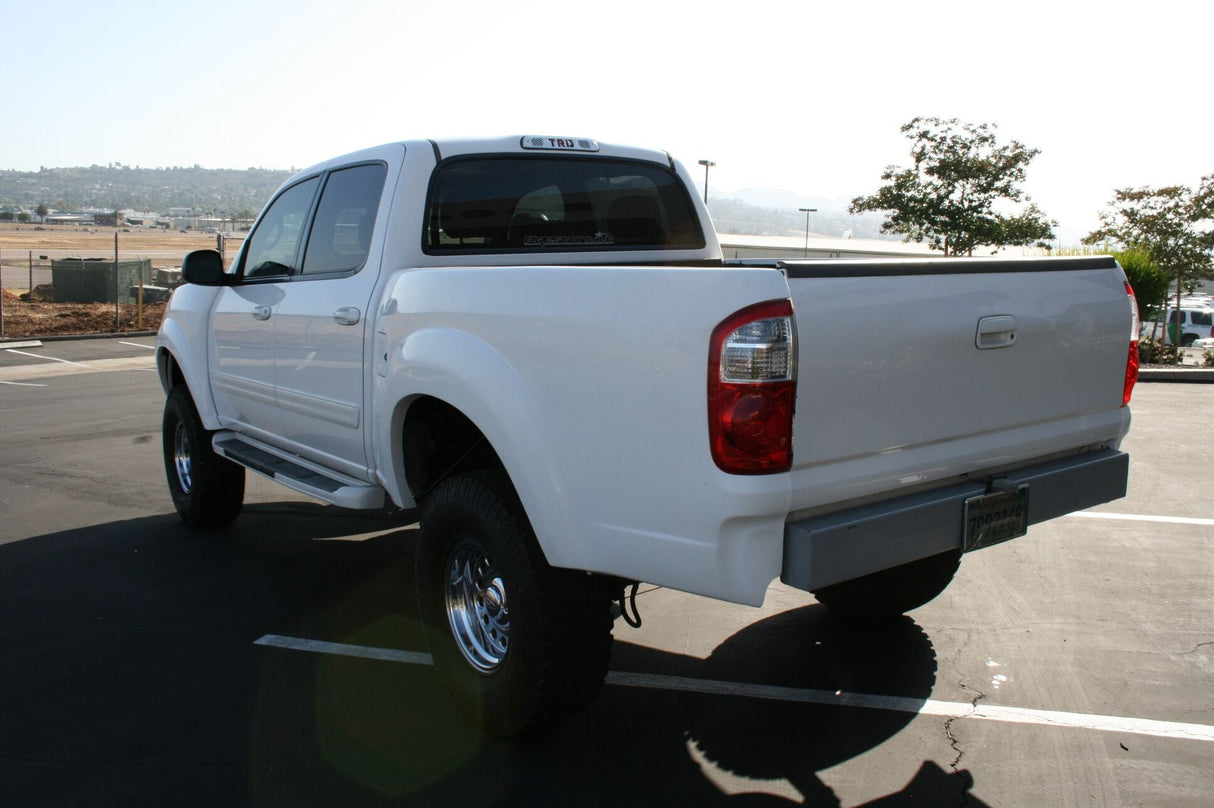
x: 299, y: 474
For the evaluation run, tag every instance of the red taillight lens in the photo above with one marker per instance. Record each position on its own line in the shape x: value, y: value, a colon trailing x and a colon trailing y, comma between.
x: 752, y: 389
x: 1131, y: 364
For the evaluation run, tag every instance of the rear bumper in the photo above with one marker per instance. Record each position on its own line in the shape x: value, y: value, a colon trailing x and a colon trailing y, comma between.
x: 847, y: 544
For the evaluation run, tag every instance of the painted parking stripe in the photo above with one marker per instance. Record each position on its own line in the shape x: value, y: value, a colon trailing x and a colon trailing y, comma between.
x: 48, y: 358
x: 343, y: 649
x: 683, y: 684
x: 1133, y: 517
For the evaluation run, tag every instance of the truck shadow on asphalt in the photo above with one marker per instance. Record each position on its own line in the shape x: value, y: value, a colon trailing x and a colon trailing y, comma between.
x: 134, y: 679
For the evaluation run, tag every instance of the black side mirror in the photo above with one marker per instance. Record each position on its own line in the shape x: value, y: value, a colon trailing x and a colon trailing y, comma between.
x: 204, y: 268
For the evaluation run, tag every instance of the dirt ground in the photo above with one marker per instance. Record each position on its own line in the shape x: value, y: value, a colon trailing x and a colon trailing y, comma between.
x: 25, y: 318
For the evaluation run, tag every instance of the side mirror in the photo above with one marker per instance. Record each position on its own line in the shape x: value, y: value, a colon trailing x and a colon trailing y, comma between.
x: 204, y: 268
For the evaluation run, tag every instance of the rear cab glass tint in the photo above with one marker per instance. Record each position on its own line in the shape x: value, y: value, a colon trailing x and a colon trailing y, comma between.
x: 547, y: 204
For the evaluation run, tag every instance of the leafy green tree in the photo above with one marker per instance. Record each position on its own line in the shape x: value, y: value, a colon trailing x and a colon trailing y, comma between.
x: 1172, y: 223
x: 948, y: 198
x: 1147, y: 279
x: 42, y: 211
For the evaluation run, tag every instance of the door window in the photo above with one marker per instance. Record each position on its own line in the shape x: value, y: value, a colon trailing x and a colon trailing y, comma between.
x: 274, y: 245
x: 345, y: 218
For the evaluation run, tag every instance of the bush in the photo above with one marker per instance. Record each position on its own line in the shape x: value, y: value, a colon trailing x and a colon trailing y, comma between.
x: 1151, y: 352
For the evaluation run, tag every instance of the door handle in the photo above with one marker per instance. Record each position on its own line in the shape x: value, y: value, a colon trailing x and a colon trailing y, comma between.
x: 261, y: 312
x: 996, y: 332
x: 347, y: 315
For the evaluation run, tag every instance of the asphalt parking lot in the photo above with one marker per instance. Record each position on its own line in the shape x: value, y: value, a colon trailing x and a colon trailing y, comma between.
x: 278, y: 662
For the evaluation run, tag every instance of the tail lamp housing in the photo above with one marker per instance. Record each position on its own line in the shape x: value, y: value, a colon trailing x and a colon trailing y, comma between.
x: 1131, y: 365
x: 752, y: 389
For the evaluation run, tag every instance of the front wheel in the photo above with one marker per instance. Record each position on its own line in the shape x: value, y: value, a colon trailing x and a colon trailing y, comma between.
x: 518, y: 643
x: 889, y: 593
x: 207, y: 489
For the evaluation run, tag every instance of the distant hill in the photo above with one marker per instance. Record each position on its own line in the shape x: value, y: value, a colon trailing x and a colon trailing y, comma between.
x: 771, y: 212
x: 155, y: 190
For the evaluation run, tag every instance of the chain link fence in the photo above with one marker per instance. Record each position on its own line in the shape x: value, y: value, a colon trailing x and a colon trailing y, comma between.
x: 61, y: 280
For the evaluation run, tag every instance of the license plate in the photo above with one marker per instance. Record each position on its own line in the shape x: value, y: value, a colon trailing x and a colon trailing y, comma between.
x: 996, y: 517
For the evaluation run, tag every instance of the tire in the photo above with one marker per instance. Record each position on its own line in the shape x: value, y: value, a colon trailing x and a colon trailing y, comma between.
x: 1187, y: 340
x: 207, y: 489
x: 519, y: 644
x: 890, y: 593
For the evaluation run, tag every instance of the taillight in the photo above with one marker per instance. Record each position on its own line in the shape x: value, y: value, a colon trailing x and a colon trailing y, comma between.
x: 1131, y: 364
x: 752, y: 389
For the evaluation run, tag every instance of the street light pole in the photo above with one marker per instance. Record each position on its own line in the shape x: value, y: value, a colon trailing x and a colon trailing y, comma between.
x: 807, y: 211
x: 707, y: 165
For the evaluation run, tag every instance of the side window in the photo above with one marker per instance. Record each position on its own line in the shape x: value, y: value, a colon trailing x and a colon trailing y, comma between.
x: 274, y: 245
x: 1201, y: 318
x: 1172, y: 316
x: 345, y: 219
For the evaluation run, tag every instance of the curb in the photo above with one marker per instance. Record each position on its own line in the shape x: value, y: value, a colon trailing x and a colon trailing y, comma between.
x: 1181, y: 375
x: 4, y: 341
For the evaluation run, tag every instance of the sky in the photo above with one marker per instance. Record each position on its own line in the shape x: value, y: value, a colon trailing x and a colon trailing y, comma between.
x: 799, y: 96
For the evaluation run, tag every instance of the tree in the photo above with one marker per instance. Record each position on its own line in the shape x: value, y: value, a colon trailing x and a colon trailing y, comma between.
x: 42, y: 211
x: 1172, y: 224
x: 961, y: 174
x: 1147, y: 279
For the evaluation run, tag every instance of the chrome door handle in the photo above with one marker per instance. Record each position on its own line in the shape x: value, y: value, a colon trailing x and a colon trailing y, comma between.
x: 261, y: 312
x: 347, y: 315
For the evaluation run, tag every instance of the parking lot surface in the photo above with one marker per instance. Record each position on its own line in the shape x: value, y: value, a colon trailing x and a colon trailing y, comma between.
x: 278, y: 661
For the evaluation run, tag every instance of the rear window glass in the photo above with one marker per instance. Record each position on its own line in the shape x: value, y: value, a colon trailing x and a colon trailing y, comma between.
x: 1201, y: 318
x: 535, y: 204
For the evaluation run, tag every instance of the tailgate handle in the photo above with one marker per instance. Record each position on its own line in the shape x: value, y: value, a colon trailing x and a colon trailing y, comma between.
x: 996, y: 332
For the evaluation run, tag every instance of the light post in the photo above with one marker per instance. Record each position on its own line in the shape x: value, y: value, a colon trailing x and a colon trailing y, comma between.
x: 807, y: 211
x: 707, y: 165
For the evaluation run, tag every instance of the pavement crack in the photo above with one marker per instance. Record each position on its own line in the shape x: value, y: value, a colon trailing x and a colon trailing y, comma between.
x: 954, y: 741
x: 1196, y: 648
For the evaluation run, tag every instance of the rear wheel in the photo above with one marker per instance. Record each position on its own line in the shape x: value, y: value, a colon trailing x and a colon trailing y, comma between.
x: 207, y: 489
x: 892, y: 592
x: 518, y: 643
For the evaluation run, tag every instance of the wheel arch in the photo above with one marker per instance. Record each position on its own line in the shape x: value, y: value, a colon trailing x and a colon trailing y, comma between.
x: 182, y: 360
x: 472, y: 411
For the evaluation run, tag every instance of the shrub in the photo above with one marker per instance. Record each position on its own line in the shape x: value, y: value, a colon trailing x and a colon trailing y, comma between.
x: 1151, y: 352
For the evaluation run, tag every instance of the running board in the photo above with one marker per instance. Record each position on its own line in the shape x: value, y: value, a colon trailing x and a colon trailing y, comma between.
x: 299, y: 474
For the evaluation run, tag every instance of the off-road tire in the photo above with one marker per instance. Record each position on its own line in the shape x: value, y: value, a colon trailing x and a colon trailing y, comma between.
x: 207, y: 489
x: 890, y: 593
x: 547, y: 651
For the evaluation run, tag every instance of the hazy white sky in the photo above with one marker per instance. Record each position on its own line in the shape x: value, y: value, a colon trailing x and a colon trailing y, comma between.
x: 802, y: 96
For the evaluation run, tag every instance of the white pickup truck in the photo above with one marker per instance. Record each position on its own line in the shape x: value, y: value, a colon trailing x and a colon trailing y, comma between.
x: 536, y: 342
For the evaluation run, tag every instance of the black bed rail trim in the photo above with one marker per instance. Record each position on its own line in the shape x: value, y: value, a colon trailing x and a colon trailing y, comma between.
x: 867, y: 267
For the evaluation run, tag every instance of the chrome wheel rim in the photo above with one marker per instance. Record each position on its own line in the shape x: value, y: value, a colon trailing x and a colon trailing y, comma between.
x: 181, y: 458
x: 477, y: 608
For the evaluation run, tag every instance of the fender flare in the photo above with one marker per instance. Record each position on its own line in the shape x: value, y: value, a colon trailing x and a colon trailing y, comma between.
x: 467, y: 374
x: 187, y: 348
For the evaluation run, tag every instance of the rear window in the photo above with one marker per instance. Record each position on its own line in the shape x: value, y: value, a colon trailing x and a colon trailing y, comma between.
x: 538, y: 204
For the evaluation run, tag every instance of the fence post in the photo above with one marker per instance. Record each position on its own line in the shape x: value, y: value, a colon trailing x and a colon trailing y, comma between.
x: 116, y: 298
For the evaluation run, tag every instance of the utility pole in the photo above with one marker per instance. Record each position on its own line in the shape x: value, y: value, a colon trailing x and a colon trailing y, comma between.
x: 707, y: 165
x: 807, y: 211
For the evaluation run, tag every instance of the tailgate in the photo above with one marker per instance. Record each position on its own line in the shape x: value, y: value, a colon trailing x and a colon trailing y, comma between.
x: 915, y: 371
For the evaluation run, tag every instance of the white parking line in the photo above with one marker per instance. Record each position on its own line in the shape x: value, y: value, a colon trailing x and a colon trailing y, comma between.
x: 23, y: 384
x: 138, y: 345
x: 49, y: 358
x: 1131, y: 517
x: 948, y: 709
